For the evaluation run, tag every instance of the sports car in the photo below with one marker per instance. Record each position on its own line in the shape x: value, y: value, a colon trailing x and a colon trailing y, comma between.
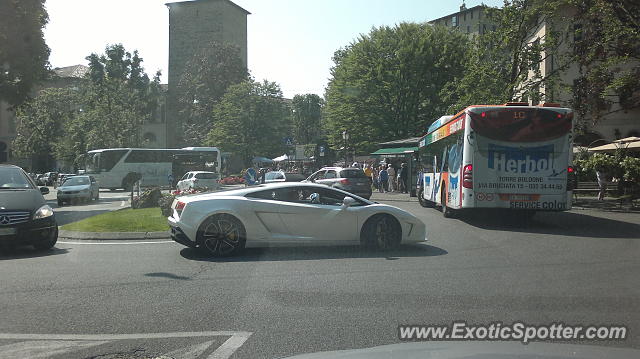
x: 223, y: 223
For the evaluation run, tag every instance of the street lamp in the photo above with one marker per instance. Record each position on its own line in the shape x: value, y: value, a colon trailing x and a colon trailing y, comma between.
x: 345, y: 137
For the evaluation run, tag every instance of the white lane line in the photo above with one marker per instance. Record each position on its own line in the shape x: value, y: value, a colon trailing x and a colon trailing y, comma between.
x: 40, y: 349
x: 115, y: 243
x: 24, y: 336
x: 45, y: 345
x: 230, y: 346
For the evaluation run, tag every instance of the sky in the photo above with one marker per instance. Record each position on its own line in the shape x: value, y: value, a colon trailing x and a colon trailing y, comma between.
x: 290, y: 42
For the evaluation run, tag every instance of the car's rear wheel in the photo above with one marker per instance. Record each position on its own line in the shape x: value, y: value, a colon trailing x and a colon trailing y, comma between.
x: 222, y: 235
x: 48, y: 244
x: 381, y: 231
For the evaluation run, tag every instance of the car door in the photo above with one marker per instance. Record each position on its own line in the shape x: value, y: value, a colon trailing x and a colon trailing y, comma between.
x: 322, y: 220
x: 182, y: 184
x: 265, y: 210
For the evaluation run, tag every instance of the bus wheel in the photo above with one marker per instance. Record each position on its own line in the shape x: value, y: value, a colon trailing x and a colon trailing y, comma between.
x: 422, y: 200
x: 446, y: 211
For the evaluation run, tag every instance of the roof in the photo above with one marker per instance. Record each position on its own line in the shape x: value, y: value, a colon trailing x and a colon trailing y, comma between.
x: 75, y: 71
x: 197, y: 1
x: 395, y: 151
x: 457, y: 12
x: 405, y: 141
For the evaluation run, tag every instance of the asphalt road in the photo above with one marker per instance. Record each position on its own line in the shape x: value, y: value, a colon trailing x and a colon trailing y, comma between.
x: 102, y: 300
x: 109, y: 201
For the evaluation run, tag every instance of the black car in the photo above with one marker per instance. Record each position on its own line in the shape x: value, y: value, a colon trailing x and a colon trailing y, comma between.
x: 352, y: 180
x: 25, y: 217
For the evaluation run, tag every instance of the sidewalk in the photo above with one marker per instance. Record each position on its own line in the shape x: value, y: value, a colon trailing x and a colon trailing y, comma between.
x: 392, y: 196
x: 608, y: 204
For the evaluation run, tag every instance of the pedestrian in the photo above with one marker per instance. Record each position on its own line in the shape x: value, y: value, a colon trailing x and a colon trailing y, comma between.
x: 603, y: 181
x: 392, y: 177
x: 355, y: 165
x: 250, y: 177
x: 263, y: 174
x: 170, y: 180
x: 402, y: 177
x: 384, y: 179
x: 368, y: 171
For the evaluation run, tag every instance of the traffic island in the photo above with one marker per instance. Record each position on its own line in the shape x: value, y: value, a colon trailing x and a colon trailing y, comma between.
x: 146, y: 223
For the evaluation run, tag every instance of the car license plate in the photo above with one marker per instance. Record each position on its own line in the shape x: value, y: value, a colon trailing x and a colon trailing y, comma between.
x: 7, y: 231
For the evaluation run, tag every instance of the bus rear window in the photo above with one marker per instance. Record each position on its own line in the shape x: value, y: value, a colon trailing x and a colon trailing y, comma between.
x: 352, y: 174
x: 520, y: 124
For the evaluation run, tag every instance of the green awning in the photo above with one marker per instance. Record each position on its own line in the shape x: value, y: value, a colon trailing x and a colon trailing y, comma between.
x: 395, y: 151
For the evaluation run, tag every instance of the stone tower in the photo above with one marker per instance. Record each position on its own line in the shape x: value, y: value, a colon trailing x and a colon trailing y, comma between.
x: 193, y: 24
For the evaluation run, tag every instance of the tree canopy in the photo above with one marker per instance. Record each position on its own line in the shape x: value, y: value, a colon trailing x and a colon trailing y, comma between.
x: 386, y: 84
x: 306, y: 117
x: 24, y: 55
x: 250, y: 120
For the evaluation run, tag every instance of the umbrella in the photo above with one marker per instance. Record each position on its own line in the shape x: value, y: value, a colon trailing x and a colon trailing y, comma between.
x: 281, y: 158
x: 262, y: 160
x: 629, y: 143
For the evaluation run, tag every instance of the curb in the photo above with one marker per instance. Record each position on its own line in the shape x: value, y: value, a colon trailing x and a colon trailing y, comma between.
x: 62, y: 234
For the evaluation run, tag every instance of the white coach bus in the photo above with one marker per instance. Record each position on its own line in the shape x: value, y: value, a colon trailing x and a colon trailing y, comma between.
x: 120, y: 167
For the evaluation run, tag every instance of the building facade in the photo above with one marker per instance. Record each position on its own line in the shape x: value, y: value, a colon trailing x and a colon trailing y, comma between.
x: 470, y: 21
x: 615, y: 123
x: 192, y: 25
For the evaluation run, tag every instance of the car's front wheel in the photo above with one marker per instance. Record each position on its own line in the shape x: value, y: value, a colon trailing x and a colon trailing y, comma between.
x: 222, y: 235
x: 381, y: 231
x: 49, y: 243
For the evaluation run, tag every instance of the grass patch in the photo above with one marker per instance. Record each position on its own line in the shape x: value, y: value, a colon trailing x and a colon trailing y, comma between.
x: 125, y: 220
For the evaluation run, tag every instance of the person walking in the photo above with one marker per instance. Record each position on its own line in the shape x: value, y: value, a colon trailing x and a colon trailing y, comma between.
x: 368, y: 171
x: 402, y: 177
x: 384, y: 179
x: 392, y: 177
x: 603, y: 181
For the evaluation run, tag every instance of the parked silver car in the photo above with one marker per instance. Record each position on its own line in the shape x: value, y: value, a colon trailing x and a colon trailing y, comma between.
x: 352, y: 180
x: 78, y: 188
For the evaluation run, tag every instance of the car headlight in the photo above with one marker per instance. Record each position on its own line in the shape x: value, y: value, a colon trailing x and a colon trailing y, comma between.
x: 43, y: 212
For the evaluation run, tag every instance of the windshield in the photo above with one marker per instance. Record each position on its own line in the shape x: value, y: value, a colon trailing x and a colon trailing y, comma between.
x: 206, y: 176
x: 12, y: 178
x: 76, y: 181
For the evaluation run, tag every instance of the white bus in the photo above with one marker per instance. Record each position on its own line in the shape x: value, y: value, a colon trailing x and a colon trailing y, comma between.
x: 120, y: 167
x: 511, y: 156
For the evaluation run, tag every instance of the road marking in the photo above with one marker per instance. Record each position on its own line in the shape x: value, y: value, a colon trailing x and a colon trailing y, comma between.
x: 114, y: 243
x: 47, y: 345
x: 44, y: 348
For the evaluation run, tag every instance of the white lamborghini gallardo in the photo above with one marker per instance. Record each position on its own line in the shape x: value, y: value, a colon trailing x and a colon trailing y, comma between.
x: 223, y: 223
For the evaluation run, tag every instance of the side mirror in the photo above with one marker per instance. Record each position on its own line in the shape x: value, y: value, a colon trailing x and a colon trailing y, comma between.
x: 44, y: 190
x: 348, y: 202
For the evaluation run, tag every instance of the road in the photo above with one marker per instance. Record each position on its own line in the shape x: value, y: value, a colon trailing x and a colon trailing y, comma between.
x: 109, y: 201
x: 579, y: 267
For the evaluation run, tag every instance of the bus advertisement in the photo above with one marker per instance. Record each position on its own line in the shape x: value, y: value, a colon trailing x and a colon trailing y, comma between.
x: 511, y: 156
x: 122, y: 167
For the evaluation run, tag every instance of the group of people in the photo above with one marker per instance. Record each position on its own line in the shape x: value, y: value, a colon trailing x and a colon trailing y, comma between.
x: 387, y: 178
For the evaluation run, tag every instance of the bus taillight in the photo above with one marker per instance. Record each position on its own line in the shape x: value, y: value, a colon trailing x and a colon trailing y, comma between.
x: 572, y: 179
x: 467, y: 176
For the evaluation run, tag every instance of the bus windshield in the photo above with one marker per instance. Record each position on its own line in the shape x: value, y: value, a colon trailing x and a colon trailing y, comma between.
x: 520, y: 124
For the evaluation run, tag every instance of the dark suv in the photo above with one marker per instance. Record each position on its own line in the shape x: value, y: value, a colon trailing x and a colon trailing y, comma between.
x: 352, y: 180
x: 25, y: 217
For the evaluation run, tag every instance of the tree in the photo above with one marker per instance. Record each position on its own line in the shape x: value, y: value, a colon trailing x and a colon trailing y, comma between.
x: 306, y: 116
x: 386, y: 84
x: 105, y: 111
x: 205, y: 80
x: 250, y: 120
x: 41, y: 122
x: 24, y: 56
x: 607, y: 52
